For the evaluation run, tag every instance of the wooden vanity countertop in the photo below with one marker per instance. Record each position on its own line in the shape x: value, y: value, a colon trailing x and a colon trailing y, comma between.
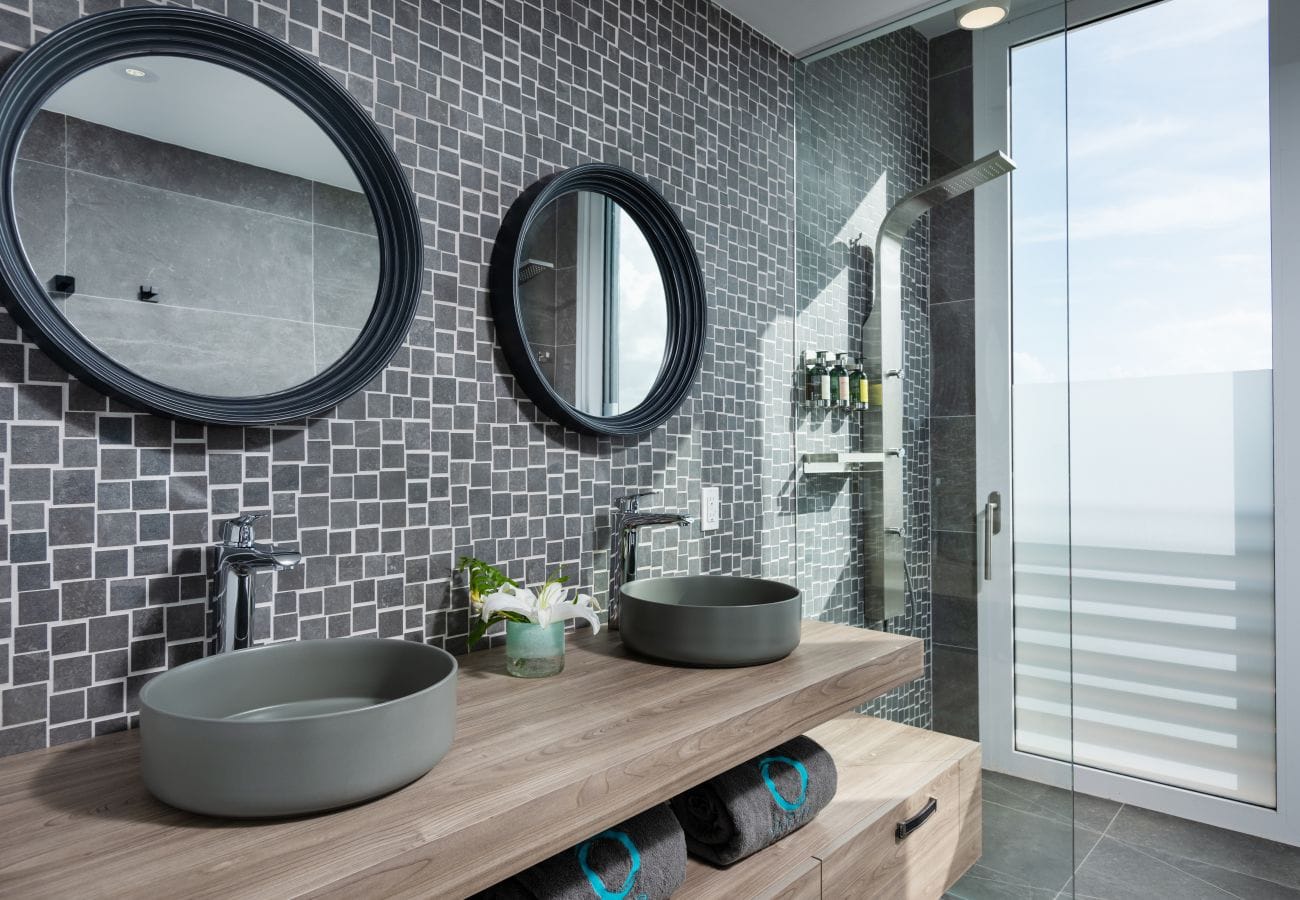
x: 536, y: 767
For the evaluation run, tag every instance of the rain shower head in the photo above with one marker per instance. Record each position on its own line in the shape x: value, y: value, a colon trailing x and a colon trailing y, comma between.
x: 941, y: 190
x: 887, y: 295
x: 531, y: 268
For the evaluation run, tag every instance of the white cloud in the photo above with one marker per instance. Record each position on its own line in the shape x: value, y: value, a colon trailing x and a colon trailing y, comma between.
x: 1196, y: 22
x: 1209, y: 202
x: 1125, y: 136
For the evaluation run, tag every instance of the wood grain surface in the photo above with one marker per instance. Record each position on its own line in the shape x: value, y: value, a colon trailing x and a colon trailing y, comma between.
x: 536, y: 767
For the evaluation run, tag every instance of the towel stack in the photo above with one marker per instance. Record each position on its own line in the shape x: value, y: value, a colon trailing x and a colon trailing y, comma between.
x: 722, y: 821
x: 758, y: 802
x: 642, y: 858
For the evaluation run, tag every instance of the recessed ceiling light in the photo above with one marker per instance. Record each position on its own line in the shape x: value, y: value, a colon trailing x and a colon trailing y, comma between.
x: 982, y: 14
x: 136, y: 73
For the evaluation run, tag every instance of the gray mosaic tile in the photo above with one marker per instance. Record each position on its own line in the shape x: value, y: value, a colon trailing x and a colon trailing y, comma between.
x: 443, y: 455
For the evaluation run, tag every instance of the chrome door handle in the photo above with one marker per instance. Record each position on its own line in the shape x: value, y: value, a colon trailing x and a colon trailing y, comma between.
x: 992, y: 526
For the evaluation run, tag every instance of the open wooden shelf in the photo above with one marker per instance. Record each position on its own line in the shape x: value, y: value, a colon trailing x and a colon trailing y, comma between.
x: 887, y: 773
x: 536, y: 766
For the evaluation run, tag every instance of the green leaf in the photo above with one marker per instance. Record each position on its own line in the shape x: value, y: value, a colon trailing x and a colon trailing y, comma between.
x: 483, y: 579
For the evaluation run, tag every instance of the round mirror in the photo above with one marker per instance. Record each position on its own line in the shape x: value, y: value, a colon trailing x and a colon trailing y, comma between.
x: 190, y: 238
x: 593, y: 303
x: 184, y: 245
x: 599, y: 300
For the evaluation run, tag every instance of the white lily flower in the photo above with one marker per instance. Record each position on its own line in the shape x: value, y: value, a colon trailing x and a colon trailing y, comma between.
x: 510, y: 599
x: 551, y: 605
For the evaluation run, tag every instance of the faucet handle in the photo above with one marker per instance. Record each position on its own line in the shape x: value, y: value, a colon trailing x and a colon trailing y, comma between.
x: 238, y: 532
x: 630, y: 502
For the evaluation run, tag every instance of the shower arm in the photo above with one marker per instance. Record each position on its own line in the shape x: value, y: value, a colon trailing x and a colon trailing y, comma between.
x: 887, y: 296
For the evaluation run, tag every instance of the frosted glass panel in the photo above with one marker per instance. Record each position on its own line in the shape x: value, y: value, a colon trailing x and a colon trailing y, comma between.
x: 1170, y: 609
x: 1040, y: 400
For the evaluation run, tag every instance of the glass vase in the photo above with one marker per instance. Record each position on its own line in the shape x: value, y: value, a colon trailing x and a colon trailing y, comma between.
x: 533, y: 651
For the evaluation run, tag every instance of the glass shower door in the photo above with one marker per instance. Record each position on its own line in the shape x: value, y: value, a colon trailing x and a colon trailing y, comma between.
x: 1134, y: 638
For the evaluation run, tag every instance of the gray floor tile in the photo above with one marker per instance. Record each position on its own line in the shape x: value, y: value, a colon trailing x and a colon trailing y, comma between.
x: 1025, y: 849
x: 1091, y: 813
x: 1229, y: 850
x: 1246, y: 887
x: 1143, y: 856
x: 1117, y: 871
x: 983, y: 885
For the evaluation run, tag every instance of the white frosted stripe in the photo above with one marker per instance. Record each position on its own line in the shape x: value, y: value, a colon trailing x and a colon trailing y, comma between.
x: 1200, y: 698
x: 1214, y: 584
x: 1113, y: 760
x: 1183, y: 656
x: 1120, y: 611
x: 1145, y: 724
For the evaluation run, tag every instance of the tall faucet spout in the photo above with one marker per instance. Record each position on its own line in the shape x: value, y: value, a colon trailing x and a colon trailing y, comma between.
x: 625, y: 527
x: 237, y: 561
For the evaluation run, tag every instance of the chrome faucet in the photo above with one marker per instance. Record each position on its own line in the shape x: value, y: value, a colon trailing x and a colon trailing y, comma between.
x: 625, y: 524
x: 238, y: 559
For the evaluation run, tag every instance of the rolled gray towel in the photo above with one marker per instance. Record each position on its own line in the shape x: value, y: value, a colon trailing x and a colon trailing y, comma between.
x: 758, y: 802
x: 643, y: 858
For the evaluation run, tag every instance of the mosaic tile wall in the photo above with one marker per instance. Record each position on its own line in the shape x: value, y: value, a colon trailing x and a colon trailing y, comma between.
x: 863, y: 144
x: 108, y: 513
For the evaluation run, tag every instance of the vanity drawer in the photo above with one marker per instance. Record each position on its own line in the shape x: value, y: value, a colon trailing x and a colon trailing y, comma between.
x: 876, y: 862
x: 888, y: 776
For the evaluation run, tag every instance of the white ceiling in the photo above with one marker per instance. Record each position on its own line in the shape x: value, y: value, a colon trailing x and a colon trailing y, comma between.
x: 806, y: 26
x: 206, y: 107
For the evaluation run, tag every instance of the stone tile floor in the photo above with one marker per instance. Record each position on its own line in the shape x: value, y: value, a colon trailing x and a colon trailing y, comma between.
x: 1120, y: 852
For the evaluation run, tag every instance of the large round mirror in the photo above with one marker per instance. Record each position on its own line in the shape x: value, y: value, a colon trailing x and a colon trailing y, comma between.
x: 204, y: 245
x: 599, y: 301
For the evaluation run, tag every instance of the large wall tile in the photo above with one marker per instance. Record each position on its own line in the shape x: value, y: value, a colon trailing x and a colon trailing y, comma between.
x: 40, y: 207
x: 952, y: 348
x: 341, y: 208
x: 45, y: 139
x: 345, y: 276
x: 196, y: 253
x: 100, y: 150
x: 198, y: 350
x: 953, y: 472
x: 952, y: 250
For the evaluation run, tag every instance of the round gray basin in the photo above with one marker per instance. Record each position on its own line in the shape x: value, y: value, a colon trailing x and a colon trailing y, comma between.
x: 710, y: 620
x: 296, y: 728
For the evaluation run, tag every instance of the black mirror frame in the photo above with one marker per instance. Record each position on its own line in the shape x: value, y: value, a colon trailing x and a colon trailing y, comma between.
x: 171, y: 31
x: 683, y: 291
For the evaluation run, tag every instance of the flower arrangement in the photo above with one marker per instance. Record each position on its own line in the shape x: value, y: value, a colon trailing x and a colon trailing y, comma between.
x: 496, y: 598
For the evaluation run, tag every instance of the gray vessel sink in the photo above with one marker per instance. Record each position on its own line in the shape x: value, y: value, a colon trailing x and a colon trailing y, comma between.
x: 710, y: 620
x: 296, y: 728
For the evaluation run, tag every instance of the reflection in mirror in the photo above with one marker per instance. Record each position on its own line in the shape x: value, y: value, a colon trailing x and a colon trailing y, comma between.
x: 196, y: 226
x: 593, y: 303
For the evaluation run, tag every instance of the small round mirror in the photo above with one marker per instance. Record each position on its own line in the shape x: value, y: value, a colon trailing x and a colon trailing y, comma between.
x: 593, y: 303
x: 599, y: 300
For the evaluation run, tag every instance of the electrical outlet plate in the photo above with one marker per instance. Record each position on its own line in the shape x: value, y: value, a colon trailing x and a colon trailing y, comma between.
x: 710, y: 508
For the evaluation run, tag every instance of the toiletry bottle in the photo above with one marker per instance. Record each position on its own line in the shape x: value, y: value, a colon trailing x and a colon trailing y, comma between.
x: 859, y: 388
x: 840, y: 389
x: 821, y: 377
x: 808, y: 386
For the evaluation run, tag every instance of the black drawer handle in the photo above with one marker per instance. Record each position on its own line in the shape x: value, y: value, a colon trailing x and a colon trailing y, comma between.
x: 907, y: 826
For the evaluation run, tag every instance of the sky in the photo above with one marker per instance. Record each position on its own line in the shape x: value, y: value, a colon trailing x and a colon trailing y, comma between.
x: 1164, y: 150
